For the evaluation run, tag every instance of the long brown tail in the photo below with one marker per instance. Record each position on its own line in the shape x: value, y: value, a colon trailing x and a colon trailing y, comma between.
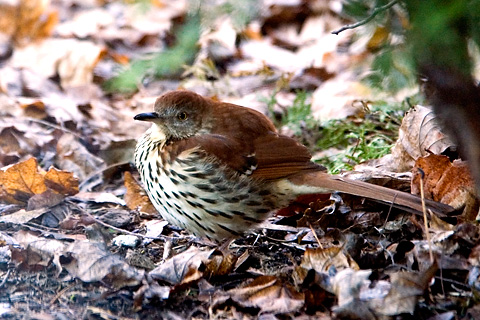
x: 399, y: 199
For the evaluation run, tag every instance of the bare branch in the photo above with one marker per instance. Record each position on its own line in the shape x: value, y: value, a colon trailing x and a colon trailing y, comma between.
x: 368, y: 19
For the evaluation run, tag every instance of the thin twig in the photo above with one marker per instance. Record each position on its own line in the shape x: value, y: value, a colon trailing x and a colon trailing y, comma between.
x: 6, y: 277
x: 368, y: 19
x: 315, y: 235
x: 48, y: 124
x: 424, y: 209
x: 100, y: 171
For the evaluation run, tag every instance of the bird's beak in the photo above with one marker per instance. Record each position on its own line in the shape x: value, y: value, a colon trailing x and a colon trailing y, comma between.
x: 147, y: 116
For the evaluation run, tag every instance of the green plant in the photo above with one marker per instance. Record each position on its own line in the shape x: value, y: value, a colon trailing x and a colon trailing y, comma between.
x: 168, y: 62
x: 352, y: 141
x: 358, y: 139
x: 299, y: 116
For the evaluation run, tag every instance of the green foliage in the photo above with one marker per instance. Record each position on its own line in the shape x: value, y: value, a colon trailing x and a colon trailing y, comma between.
x: 355, y: 139
x: 392, y: 70
x: 166, y: 63
x: 241, y: 12
x: 173, y: 60
x: 441, y: 30
x: 437, y: 33
x: 271, y: 102
x: 360, y: 139
x: 299, y: 116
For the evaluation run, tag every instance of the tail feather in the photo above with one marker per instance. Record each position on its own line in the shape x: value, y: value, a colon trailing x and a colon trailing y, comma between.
x: 400, y: 199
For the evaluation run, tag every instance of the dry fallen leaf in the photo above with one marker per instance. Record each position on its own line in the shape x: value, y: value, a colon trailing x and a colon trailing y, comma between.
x: 71, y: 59
x: 406, y: 288
x: 446, y: 182
x: 419, y: 135
x: 135, y: 197
x: 269, y: 294
x: 359, y: 298
x: 87, y: 261
x: 186, y: 264
x: 75, y: 157
x: 62, y: 182
x: 22, y: 181
x: 90, y: 261
x: 321, y: 260
x: 27, y: 20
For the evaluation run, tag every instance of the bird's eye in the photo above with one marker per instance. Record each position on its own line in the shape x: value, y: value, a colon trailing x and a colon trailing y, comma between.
x: 182, y: 116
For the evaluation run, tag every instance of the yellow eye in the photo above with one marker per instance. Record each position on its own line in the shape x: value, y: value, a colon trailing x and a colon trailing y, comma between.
x: 182, y: 116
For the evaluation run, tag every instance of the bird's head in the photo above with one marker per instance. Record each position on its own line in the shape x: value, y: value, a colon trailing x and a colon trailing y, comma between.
x: 178, y: 115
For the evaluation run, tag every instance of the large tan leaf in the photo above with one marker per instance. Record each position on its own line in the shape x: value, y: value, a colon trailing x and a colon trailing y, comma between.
x: 20, y: 182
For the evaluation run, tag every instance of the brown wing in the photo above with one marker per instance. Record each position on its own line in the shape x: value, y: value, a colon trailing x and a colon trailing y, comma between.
x: 268, y: 157
x: 226, y: 150
x: 246, y: 141
x: 280, y: 156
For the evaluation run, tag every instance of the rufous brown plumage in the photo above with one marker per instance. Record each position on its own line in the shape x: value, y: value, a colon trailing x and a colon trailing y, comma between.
x: 218, y: 169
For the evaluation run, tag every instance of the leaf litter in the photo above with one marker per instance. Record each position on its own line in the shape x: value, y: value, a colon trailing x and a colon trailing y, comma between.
x: 77, y: 229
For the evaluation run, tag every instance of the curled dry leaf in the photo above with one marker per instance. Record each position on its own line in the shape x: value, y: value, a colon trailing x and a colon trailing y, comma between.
x: 359, y: 298
x: 419, y: 135
x: 36, y: 252
x: 447, y: 182
x: 87, y: 261
x: 135, y: 197
x: 91, y: 262
x: 181, y: 266
x: 21, y: 181
x: 73, y: 156
x: 190, y: 266
x: 321, y: 260
x: 62, y: 182
x: 71, y: 59
x: 269, y: 294
x: 27, y: 20
x: 19, y: 138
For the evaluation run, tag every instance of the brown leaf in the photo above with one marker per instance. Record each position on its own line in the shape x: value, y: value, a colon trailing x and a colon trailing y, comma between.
x: 73, y: 156
x: 90, y: 261
x: 406, y: 288
x: 378, y: 39
x: 220, y: 263
x: 24, y: 183
x: 62, y: 182
x: 38, y: 252
x: 28, y: 20
x: 46, y: 199
x: 310, y: 78
x: 419, y: 135
x: 35, y: 109
x: 20, y: 139
x: 321, y: 260
x: 135, y: 197
x: 182, y: 266
x: 446, y: 182
x: 359, y: 298
x: 20, y: 182
x: 269, y: 294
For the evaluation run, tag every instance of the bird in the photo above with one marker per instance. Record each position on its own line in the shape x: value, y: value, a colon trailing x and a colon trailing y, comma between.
x: 218, y: 169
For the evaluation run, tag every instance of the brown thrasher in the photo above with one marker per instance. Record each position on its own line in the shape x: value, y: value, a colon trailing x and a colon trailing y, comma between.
x: 218, y: 169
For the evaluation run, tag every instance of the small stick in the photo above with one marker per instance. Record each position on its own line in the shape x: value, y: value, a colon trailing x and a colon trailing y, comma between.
x: 367, y: 19
x: 427, y: 231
